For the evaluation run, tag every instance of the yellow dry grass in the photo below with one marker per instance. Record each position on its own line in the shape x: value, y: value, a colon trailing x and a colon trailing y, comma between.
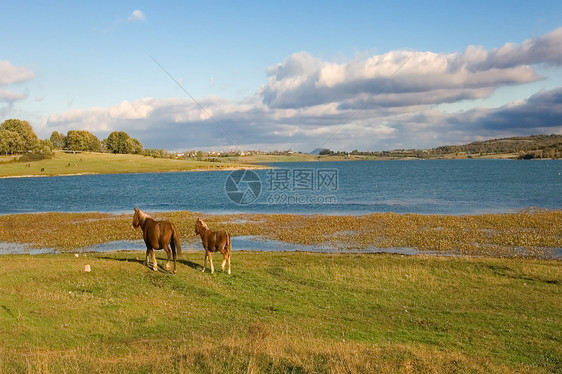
x: 527, y: 234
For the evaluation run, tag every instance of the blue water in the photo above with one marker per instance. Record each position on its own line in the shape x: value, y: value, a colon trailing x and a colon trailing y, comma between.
x: 358, y: 187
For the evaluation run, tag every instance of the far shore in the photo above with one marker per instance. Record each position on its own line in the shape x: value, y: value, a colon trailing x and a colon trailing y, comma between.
x: 229, y: 168
x: 88, y: 163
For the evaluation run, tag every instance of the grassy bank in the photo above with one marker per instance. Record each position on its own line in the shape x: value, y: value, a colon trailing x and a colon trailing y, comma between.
x: 104, y: 163
x: 528, y: 234
x: 280, y: 312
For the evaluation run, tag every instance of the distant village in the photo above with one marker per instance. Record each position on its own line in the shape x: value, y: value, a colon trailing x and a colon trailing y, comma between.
x: 198, y: 155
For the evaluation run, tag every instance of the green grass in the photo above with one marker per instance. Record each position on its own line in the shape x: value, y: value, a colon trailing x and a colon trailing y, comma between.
x: 280, y: 312
x: 103, y: 163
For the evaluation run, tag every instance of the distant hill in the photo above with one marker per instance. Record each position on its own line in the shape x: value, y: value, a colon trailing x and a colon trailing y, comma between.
x: 524, y: 146
x: 316, y: 151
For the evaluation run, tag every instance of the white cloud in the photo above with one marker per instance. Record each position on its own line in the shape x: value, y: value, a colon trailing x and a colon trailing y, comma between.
x: 546, y: 49
x: 13, y: 74
x: 10, y: 74
x: 368, y: 103
x: 137, y: 15
x: 10, y: 97
x: 140, y: 109
x: 397, y: 72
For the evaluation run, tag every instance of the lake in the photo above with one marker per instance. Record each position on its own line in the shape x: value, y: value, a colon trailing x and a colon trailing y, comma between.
x: 355, y: 187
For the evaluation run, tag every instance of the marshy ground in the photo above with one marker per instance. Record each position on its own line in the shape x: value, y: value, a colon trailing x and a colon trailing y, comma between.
x: 533, y: 234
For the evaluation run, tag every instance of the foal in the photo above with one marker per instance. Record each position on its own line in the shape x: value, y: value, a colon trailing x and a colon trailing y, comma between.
x: 214, y: 241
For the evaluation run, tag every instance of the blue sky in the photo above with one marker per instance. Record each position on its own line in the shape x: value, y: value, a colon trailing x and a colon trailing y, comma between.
x: 344, y: 75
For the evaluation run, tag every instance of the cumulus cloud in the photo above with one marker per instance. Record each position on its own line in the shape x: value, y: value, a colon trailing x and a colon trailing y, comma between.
x: 546, y: 49
x: 303, y: 80
x: 137, y: 15
x: 13, y: 74
x: 542, y: 110
x: 10, y: 74
x: 371, y: 102
x: 10, y: 97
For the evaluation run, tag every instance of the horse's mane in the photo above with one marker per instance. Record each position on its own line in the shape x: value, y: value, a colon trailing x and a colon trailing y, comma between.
x: 142, y: 215
x: 203, y: 224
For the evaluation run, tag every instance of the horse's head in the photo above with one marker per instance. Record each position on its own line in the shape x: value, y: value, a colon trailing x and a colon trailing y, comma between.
x: 138, y: 217
x: 199, y: 226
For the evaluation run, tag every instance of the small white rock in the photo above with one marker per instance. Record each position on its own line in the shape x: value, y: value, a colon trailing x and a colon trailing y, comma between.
x: 87, y: 268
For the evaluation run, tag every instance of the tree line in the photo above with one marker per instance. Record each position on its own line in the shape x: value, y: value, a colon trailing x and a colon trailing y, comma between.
x: 18, y: 138
x: 525, y: 147
x: 82, y: 140
x: 550, y: 145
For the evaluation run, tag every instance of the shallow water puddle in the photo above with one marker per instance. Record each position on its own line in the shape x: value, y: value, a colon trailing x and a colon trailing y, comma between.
x: 18, y: 248
x: 239, y: 243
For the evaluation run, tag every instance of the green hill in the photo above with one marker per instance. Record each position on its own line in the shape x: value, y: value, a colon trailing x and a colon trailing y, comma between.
x: 534, y: 146
x: 523, y: 147
x: 104, y: 163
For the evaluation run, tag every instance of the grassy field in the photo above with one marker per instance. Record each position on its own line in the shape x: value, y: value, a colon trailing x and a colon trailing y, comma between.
x: 103, y: 163
x: 280, y: 312
x: 286, y: 312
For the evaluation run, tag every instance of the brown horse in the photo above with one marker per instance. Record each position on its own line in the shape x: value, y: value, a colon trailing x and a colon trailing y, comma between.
x: 214, y: 241
x: 158, y: 235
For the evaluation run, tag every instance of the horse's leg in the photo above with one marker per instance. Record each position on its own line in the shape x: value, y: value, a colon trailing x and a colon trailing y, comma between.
x: 168, y: 253
x: 174, y: 247
x: 146, y: 256
x: 175, y: 255
x: 205, y: 261
x: 228, y: 255
x: 223, y: 263
x: 211, y: 262
x: 154, y: 264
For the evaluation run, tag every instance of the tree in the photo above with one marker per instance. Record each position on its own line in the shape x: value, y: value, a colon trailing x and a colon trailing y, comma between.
x: 81, y: 140
x: 134, y: 146
x: 58, y: 140
x: 121, y: 142
x: 10, y: 142
x: 116, y: 142
x: 25, y: 131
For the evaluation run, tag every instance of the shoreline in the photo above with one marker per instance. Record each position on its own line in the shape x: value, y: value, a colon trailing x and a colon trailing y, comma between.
x: 202, y: 169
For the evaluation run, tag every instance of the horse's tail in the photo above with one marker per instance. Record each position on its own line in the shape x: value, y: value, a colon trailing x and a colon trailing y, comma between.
x: 176, y: 239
